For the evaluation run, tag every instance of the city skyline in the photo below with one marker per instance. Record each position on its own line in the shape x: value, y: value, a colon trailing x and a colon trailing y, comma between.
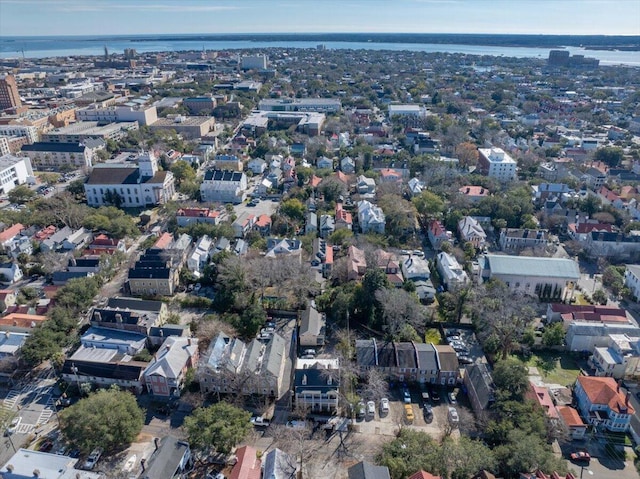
x: 128, y: 17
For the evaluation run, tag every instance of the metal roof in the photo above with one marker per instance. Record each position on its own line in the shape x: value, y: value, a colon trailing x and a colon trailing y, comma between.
x: 530, y: 266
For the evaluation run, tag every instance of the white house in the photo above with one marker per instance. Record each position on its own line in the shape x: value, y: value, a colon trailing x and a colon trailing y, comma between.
x: 257, y: 166
x: 10, y: 273
x: 450, y: 270
x: 495, y: 163
x: 632, y: 280
x: 200, y: 255
x: 471, y: 231
x: 366, y: 186
x: 224, y: 186
x: 515, y: 239
x: 347, y: 165
x: 130, y: 186
x: 324, y: 163
x: 415, y: 186
x: 370, y: 217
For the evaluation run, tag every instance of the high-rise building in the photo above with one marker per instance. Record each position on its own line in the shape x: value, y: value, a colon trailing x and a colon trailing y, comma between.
x: 9, y: 96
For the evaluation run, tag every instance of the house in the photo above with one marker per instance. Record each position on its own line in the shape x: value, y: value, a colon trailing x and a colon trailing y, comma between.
x: 77, y: 240
x: 366, y: 470
x: 474, y: 193
x: 437, y: 234
x: 54, y: 241
x: 128, y: 186
x: 543, y: 277
x: 470, y: 231
x: 343, y: 218
x: 356, y: 263
x: 327, y: 226
x: 171, y: 458
x: 200, y: 255
x: 366, y: 186
x: 540, y: 395
x: 103, y: 244
x: 388, y: 262
x: 284, y: 247
x: 60, y: 278
x: 311, y: 223
x: 257, y: 166
x: 347, y: 166
x: 7, y: 299
x: 166, y: 373
x: 187, y: 216
x: 155, y: 273
x: 615, y: 246
x: 10, y: 344
x: 224, y: 186
x: 279, y: 465
x: 620, y: 359
x: 632, y: 280
x: 426, y: 363
x: 515, y: 239
x: 11, y: 233
x: 312, y: 328
x: 10, y: 273
x: 316, y: 384
x: 581, y: 230
x: 322, y: 256
x: 573, y: 422
x: 228, y: 162
x: 243, y: 224
x: 602, y: 404
x: 231, y: 366
x: 249, y: 466
x: 25, y: 462
x: 448, y: 366
x: 390, y: 176
x: 371, y: 218
x: 241, y: 247
x: 263, y: 225
x: 479, y: 385
x: 415, y: 187
x: 324, y: 163
x: 451, y: 272
x: 84, y: 264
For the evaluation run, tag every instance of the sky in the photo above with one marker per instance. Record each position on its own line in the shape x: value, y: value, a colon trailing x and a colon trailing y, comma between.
x: 113, y: 17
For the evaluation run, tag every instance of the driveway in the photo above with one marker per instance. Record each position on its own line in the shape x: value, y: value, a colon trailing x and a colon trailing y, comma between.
x: 264, y: 207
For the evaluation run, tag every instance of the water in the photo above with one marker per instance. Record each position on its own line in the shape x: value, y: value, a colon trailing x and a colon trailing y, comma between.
x: 40, y: 47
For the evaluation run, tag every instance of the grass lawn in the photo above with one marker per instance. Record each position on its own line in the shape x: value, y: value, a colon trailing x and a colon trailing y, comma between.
x: 580, y: 301
x: 555, y: 367
x: 433, y: 336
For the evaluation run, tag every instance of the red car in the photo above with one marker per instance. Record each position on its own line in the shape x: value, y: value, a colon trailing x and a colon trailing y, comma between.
x: 580, y: 456
x: 46, y: 445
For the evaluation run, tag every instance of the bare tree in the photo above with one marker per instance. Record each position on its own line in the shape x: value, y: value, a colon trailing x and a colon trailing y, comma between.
x: 399, y: 309
x: 376, y: 386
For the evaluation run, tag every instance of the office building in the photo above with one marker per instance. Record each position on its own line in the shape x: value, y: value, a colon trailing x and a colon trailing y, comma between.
x: 495, y: 163
x: 9, y: 96
x: 14, y: 171
x: 254, y: 62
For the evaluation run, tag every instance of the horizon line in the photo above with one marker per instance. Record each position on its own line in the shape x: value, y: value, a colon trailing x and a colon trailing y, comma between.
x: 630, y: 35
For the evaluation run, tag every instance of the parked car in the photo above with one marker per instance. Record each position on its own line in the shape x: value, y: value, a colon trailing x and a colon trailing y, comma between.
x: 297, y: 424
x: 454, y: 419
x: 427, y: 412
x: 406, y: 396
x: 93, y: 459
x: 360, y: 411
x: 13, y: 426
x: 384, y: 405
x: 452, y: 398
x: 310, y: 352
x: 435, y: 396
x: 581, y: 456
x: 46, y: 446
x: 371, y: 408
x: 454, y: 337
x: 464, y: 359
x: 259, y: 421
x: 408, y: 413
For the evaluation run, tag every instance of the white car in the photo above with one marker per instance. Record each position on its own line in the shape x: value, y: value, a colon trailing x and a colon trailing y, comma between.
x: 15, y: 422
x: 93, y: 459
x: 384, y: 405
x: 371, y: 408
x: 454, y: 419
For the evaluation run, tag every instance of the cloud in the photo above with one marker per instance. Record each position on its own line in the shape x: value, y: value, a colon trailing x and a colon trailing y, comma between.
x: 111, y: 5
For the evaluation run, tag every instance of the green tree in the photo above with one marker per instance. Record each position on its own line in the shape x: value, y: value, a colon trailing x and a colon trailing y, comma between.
x: 218, y: 427
x: 293, y: 208
x: 428, y: 204
x: 612, y: 156
x: 109, y: 418
x: 553, y: 335
x: 526, y: 452
x: 511, y: 379
x: 251, y: 319
x: 183, y: 172
x: 76, y: 188
x: 409, y: 452
x: 21, y: 194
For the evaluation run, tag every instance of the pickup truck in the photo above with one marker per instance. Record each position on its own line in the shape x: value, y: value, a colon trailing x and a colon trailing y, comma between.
x: 259, y: 421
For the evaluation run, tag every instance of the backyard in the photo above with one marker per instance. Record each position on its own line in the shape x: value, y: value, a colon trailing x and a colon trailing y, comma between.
x: 555, y: 367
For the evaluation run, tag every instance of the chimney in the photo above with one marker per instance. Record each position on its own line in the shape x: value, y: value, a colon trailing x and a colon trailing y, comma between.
x: 9, y: 467
x: 97, y: 316
x: 189, y: 341
x: 36, y: 473
x: 156, y: 441
x: 118, y: 318
x: 142, y: 463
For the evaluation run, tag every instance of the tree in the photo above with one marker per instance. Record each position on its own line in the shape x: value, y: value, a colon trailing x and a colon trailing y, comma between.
x: 400, y: 215
x: 183, y: 172
x: 409, y: 452
x: 511, y: 379
x: 218, y: 427
x: 612, y: 156
x: 293, y: 208
x: 467, y: 154
x: 553, y: 335
x: 501, y: 312
x: 428, y: 204
x: 21, y: 194
x: 399, y: 309
x: 109, y: 418
x: 251, y: 320
x: 526, y: 452
x: 462, y: 458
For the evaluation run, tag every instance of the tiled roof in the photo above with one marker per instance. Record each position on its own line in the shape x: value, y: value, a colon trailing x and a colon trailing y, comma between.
x: 114, y: 176
x: 11, y: 232
x: 605, y: 391
x: 423, y: 475
x: 570, y: 416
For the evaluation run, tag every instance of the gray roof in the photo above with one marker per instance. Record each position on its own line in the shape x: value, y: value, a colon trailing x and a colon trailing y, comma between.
x: 530, y: 266
x: 426, y: 354
x: 482, y: 383
x: 135, y: 304
x: 634, y: 269
x: 114, y: 175
x: 51, y: 466
x: 279, y: 465
x: 312, y: 321
x: 366, y: 352
x: 366, y: 470
x: 272, y: 362
x: 164, y: 463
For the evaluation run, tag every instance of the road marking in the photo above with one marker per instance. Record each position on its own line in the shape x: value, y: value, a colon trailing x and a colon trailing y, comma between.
x: 12, y: 398
x: 44, y: 416
x: 25, y: 428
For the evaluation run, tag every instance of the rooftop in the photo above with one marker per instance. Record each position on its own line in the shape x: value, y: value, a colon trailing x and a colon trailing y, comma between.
x: 545, y: 267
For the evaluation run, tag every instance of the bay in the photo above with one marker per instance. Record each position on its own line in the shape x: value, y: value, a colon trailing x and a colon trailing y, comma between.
x: 41, y: 47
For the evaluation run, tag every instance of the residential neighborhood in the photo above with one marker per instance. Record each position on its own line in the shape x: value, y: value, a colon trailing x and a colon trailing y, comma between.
x: 319, y: 263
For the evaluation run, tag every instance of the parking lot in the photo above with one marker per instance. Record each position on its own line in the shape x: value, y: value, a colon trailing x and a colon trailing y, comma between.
x: 263, y: 207
x: 469, y: 340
